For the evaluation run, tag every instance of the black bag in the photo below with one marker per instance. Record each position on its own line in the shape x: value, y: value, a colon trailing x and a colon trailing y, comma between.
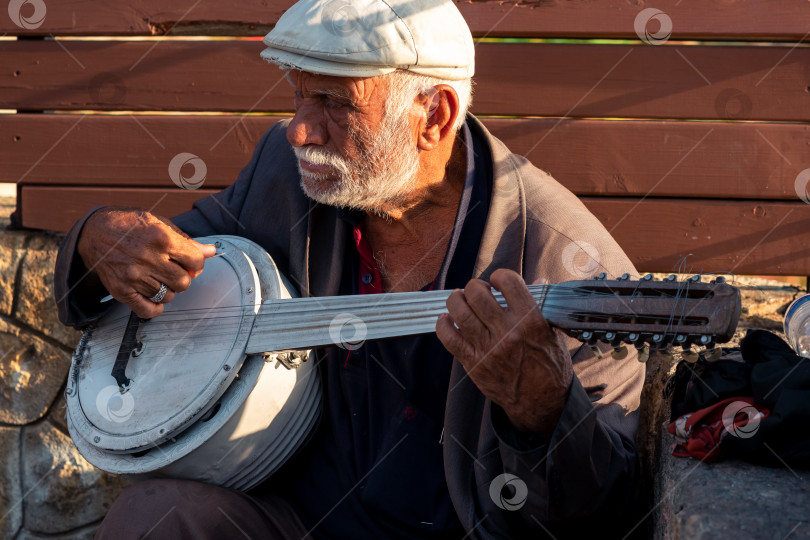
x: 766, y: 368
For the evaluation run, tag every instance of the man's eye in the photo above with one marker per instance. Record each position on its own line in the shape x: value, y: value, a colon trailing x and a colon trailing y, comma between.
x: 335, y: 104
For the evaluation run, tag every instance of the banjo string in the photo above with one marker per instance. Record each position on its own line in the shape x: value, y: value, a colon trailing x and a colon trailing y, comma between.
x: 564, y: 293
x: 226, y: 320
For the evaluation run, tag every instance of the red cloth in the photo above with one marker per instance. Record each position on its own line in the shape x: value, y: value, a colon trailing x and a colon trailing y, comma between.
x: 368, y: 266
x: 700, y: 433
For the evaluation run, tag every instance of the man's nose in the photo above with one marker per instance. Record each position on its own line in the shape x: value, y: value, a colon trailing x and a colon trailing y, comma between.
x: 307, y: 127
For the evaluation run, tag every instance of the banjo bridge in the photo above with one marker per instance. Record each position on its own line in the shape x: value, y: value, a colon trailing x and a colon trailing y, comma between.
x: 289, y: 359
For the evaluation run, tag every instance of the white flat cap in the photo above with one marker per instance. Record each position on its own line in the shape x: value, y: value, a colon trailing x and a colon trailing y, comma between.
x: 366, y: 38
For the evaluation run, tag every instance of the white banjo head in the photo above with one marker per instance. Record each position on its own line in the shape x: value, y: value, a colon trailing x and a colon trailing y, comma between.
x: 188, y: 358
x: 185, y: 413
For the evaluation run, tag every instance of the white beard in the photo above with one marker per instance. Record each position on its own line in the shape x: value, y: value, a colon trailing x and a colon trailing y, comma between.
x: 383, y: 177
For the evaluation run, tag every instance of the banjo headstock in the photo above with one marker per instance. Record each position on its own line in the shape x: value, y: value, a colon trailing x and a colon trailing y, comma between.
x: 658, y: 313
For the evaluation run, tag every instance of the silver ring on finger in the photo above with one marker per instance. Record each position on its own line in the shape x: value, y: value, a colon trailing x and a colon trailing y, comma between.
x: 160, y: 295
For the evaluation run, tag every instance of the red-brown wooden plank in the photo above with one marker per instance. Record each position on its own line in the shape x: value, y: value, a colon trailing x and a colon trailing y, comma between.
x: 591, y: 157
x: 58, y: 208
x: 124, y: 150
x: 761, y: 238
x: 663, y: 158
x: 211, y: 75
x: 750, y: 19
x: 658, y: 235
x: 765, y: 83
x: 709, y: 19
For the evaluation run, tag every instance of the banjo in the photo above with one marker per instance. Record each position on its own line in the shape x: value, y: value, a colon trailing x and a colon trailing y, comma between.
x: 217, y: 389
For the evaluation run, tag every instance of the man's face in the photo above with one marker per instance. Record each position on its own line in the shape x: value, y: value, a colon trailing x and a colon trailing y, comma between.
x: 355, y: 141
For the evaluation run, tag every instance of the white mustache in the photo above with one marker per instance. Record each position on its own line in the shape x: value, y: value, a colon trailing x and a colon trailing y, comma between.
x: 320, y: 156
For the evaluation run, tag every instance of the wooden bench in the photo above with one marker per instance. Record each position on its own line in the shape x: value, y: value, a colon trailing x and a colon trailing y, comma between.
x: 689, y: 151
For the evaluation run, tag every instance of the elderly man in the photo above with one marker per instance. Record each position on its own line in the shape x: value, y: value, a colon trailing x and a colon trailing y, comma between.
x: 497, y: 426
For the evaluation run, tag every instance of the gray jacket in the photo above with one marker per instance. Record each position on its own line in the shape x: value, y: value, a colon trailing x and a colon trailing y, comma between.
x: 581, y: 479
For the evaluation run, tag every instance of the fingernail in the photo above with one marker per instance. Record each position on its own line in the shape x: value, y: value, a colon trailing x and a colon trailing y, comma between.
x: 209, y: 250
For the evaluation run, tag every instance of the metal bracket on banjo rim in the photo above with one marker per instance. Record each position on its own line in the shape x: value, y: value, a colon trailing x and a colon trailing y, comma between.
x: 129, y: 346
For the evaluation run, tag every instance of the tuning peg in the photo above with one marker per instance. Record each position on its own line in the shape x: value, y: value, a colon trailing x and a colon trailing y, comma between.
x: 686, y: 344
x: 648, y: 277
x: 643, y: 352
x: 696, y: 278
x: 719, y: 279
x: 624, y: 277
x: 596, y: 352
x: 601, y: 275
x: 690, y: 356
x: 619, y: 353
x: 619, y: 350
x: 671, y: 277
x: 712, y: 354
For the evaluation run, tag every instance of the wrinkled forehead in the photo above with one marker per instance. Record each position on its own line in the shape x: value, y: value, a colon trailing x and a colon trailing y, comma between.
x: 358, y: 90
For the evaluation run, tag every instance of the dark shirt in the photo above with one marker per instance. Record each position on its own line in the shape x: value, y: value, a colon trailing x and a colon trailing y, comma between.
x: 375, y: 467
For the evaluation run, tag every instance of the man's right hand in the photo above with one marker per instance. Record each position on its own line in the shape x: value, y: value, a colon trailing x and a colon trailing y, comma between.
x: 132, y: 252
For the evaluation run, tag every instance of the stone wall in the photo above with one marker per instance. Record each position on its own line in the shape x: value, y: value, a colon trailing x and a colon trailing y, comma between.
x: 46, y: 488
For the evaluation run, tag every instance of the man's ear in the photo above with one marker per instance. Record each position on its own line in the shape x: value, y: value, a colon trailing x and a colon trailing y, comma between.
x: 441, y: 110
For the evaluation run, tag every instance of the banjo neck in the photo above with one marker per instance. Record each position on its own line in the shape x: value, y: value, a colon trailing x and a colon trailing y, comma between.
x: 348, y: 321
x: 658, y: 313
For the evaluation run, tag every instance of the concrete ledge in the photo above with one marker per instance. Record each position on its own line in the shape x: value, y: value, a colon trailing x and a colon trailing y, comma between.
x: 729, y: 499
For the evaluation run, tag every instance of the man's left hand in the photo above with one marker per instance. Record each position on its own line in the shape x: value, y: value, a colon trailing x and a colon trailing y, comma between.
x: 512, y: 354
